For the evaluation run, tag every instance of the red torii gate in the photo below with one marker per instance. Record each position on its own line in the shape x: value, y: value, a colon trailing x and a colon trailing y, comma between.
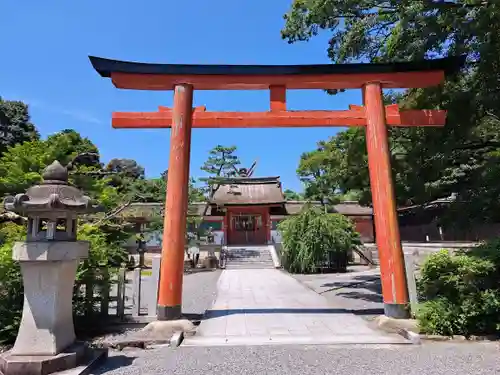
x: 370, y: 78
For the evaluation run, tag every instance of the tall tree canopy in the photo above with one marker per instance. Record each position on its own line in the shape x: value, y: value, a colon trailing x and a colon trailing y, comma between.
x: 222, y: 162
x: 22, y: 165
x: 15, y: 124
x: 291, y: 195
x: 126, y: 167
x: 461, y: 158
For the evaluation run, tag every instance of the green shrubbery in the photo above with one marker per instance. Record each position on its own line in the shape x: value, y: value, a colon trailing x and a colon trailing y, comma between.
x: 310, y: 235
x: 11, y: 286
x: 461, y: 292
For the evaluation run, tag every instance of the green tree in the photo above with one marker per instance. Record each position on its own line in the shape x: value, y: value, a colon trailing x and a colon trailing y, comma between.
x: 22, y: 165
x: 126, y: 167
x: 461, y: 158
x: 221, y: 163
x: 324, y: 171
x: 309, y: 236
x: 15, y: 124
x: 291, y: 195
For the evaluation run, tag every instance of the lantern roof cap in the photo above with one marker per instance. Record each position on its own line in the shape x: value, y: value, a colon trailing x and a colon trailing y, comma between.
x: 54, y: 173
x: 53, y: 195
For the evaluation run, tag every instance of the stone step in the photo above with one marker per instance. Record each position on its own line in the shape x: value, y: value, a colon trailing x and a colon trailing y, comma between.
x: 265, y: 257
x: 249, y: 263
x: 313, y: 339
x: 249, y: 257
x: 249, y: 266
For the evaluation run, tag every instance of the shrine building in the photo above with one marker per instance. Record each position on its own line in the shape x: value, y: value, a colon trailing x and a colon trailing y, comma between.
x: 247, y: 210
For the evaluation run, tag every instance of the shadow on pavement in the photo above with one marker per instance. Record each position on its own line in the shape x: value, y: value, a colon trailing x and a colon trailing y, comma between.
x: 211, y: 314
x: 370, y: 297
x: 371, y: 282
x: 113, y: 363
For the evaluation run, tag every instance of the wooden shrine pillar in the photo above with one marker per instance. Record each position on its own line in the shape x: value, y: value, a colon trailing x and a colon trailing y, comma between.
x: 392, y: 267
x: 174, y: 232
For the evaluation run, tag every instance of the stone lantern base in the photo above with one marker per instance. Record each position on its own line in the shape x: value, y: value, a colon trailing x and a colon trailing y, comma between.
x: 72, y: 357
x: 46, y: 339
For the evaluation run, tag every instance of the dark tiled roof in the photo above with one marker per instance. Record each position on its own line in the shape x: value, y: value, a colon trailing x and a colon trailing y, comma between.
x: 145, y: 210
x: 244, y: 191
x: 347, y: 208
x: 446, y: 201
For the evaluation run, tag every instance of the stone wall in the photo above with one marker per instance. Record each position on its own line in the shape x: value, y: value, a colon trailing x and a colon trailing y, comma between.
x: 432, y: 232
x: 421, y: 251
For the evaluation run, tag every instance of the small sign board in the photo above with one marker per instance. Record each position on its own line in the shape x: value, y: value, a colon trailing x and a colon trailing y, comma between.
x: 193, y: 250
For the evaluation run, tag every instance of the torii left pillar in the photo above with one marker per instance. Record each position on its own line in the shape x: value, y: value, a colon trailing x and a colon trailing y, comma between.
x: 174, y: 233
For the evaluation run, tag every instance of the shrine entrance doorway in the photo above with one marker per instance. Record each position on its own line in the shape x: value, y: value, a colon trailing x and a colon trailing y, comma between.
x: 247, y: 226
x: 373, y: 115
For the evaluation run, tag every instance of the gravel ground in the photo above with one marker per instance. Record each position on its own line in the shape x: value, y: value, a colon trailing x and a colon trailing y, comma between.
x: 429, y: 359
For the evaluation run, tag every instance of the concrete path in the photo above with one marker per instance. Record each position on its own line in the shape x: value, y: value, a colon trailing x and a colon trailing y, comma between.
x: 267, y: 306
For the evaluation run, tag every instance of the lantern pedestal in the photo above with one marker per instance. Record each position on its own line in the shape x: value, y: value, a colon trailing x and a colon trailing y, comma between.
x: 46, y: 334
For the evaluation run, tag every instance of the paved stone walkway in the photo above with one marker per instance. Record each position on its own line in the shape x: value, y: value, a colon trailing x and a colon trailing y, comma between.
x: 267, y: 306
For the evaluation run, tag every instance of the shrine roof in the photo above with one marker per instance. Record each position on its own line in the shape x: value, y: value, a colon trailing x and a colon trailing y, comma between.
x: 153, y: 76
x: 248, y: 180
x: 246, y: 191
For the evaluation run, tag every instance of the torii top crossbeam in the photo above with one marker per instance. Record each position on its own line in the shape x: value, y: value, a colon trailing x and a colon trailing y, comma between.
x: 144, y: 76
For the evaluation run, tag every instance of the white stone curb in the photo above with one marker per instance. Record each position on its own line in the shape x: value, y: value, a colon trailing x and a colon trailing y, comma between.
x: 176, y: 339
x: 413, y: 337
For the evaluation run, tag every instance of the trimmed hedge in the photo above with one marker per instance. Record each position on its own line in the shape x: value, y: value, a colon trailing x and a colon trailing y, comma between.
x: 461, y: 292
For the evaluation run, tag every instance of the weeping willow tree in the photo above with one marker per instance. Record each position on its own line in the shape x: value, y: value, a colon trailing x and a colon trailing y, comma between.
x: 311, y: 235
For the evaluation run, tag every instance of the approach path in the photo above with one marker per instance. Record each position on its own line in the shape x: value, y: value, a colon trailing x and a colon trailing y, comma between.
x: 267, y: 306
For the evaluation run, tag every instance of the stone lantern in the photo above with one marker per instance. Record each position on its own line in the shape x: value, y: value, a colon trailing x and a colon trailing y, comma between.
x: 49, y: 259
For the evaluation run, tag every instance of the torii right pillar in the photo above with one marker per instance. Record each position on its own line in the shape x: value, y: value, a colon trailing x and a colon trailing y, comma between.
x: 392, y: 265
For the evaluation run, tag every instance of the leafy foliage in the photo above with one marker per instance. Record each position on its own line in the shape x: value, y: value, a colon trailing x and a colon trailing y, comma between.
x: 291, y: 195
x: 461, y: 158
x: 125, y: 167
x: 11, y: 286
x: 221, y: 163
x: 15, y: 125
x: 310, y: 235
x: 22, y: 165
x: 335, y: 168
x: 461, y: 292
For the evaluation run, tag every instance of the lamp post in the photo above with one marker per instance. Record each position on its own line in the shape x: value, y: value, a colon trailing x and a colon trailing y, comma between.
x: 49, y: 259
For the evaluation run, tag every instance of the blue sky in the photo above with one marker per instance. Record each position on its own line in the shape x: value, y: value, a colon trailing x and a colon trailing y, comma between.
x: 45, y: 46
